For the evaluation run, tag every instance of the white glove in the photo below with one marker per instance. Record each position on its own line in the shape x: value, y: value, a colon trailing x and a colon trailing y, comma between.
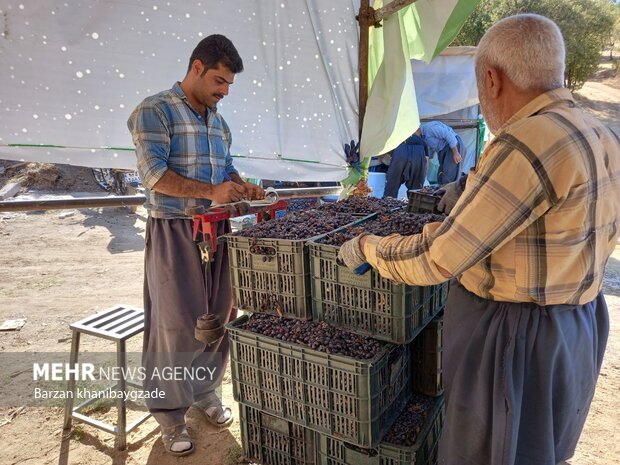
x: 452, y: 194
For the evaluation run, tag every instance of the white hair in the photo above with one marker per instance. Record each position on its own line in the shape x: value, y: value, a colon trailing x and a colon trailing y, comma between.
x: 528, y: 48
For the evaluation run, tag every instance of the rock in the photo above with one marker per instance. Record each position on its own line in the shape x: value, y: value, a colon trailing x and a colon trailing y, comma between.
x: 9, y: 190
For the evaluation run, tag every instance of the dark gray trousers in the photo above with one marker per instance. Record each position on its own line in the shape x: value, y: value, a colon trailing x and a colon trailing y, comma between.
x: 448, y: 170
x: 407, y: 166
x: 518, y: 378
x: 177, y: 290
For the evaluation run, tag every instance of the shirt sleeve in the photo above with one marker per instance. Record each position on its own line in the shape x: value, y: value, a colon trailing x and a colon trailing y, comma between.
x: 229, y: 167
x: 503, y: 197
x: 150, y: 134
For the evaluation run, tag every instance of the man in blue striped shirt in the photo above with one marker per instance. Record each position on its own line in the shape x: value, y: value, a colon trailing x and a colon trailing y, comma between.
x: 183, y: 151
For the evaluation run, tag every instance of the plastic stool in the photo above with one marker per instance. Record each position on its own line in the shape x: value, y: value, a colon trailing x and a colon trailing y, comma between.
x: 117, y: 324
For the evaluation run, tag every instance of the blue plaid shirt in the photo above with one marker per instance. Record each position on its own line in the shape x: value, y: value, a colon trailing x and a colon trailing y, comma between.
x: 169, y: 134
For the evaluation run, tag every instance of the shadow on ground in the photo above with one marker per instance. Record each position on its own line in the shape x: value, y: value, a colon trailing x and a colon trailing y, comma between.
x: 126, y: 228
x: 611, y: 282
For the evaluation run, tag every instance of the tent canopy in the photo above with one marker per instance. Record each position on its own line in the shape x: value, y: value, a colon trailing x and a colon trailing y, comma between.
x: 73, y: 72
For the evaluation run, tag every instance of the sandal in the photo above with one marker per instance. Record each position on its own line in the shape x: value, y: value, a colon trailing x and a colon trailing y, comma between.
x: 176, y: 435
x: 219, y: 416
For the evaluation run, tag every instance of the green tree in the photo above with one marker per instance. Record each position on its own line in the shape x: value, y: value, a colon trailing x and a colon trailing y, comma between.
x: 585, y: 24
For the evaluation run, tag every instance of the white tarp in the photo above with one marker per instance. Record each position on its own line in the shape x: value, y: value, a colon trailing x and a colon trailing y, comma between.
x: 72, y: 72
x: 446, y: 84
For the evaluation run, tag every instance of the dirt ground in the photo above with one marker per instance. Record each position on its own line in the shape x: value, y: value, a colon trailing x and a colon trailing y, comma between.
x: 59, y: 266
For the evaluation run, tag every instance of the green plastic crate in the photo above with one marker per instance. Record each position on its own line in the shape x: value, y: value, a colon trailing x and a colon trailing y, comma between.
x: 269, y: 440
x: 368, y: 304
x: 354, y: 400
x: 270, y: 276
x: 422, y: 202
x: 332, y: 451
x: 426, y: 365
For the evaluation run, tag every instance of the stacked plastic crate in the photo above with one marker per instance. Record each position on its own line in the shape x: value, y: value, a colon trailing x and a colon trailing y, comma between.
x: 309, y: 404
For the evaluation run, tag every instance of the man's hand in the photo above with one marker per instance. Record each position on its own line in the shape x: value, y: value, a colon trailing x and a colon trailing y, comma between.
x: 227, y: 192
x: 253, y: 192
x: 456, y: 156
x: 351, y: 255
x: 452, y: 193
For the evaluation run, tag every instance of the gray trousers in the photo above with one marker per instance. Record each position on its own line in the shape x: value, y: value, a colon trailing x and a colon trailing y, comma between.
x: 448, y: 170
x: 407, y: 167
x: 518, y: 378
x: 177, y: 290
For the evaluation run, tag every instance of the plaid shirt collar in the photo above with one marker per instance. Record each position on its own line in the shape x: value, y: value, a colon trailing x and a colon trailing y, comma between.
x: 178, y: 90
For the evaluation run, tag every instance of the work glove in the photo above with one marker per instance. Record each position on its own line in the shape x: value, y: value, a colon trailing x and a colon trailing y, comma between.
x: 452, y: 193
x: 351, y: 255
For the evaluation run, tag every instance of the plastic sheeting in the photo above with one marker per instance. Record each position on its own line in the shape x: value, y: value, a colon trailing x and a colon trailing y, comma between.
x: 446, y: 84
x: 72, y: 72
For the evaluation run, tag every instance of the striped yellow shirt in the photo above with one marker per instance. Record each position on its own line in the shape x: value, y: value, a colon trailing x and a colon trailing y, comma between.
x: 537, y: 220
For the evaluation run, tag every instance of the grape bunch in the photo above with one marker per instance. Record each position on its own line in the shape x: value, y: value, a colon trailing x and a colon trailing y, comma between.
x: 364, y: 205
x: 297, y: 225
x: 296, y: 205
x: 404, y: 223
x: 319, y: 336
x: 411, y: 421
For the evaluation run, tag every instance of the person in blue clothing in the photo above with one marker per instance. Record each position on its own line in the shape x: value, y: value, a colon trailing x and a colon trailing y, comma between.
x: 449, y: 146
x: 408, y: 166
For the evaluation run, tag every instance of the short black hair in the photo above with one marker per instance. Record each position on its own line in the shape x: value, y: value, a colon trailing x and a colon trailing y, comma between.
x: 216, y: 49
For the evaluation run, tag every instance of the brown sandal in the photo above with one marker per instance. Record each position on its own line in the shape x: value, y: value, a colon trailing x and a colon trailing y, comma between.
x: 174, y: 435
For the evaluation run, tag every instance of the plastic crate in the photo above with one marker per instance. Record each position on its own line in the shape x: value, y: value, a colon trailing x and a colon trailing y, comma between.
x: 421, y: 202
x: 426, y: 366
x: 368, y: 304
x: 270, y: 440
x: 270, y: 276
x: 354, y: 400
x: 332, y: 451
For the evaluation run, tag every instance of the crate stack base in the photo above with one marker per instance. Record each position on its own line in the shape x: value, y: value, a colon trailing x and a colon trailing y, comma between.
x: 354, y: 400
x: 268, y: 440
x: 332, y: 451
x: 426, y: 364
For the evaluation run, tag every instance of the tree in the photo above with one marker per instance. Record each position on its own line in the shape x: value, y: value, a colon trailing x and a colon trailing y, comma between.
x: 614, y: 37
x: 585, y: 24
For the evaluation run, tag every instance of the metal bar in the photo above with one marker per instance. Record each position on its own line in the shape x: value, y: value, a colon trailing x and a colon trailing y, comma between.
x: 121, y: 406
x: 304, y: 192
x: 130, y: 200
x: 93, y: 422
x: 73, y: 358
x: 59, y: 204
x: 364, y: 19
x: 138, y: 422
x: 391, y: 8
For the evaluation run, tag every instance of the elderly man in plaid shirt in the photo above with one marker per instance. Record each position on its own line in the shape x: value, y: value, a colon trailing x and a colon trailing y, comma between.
x: 526, y: 242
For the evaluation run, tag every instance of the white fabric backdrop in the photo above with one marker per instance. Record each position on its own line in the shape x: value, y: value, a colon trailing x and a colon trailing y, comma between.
x: 72, y: 72
x: 446, y: 84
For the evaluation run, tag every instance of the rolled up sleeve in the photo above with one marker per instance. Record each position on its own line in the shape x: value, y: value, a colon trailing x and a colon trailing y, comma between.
x: 151, y: 136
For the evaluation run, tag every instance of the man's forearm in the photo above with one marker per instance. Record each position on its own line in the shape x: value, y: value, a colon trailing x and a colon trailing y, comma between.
x: 236, y: 178
x: 175, y: 185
